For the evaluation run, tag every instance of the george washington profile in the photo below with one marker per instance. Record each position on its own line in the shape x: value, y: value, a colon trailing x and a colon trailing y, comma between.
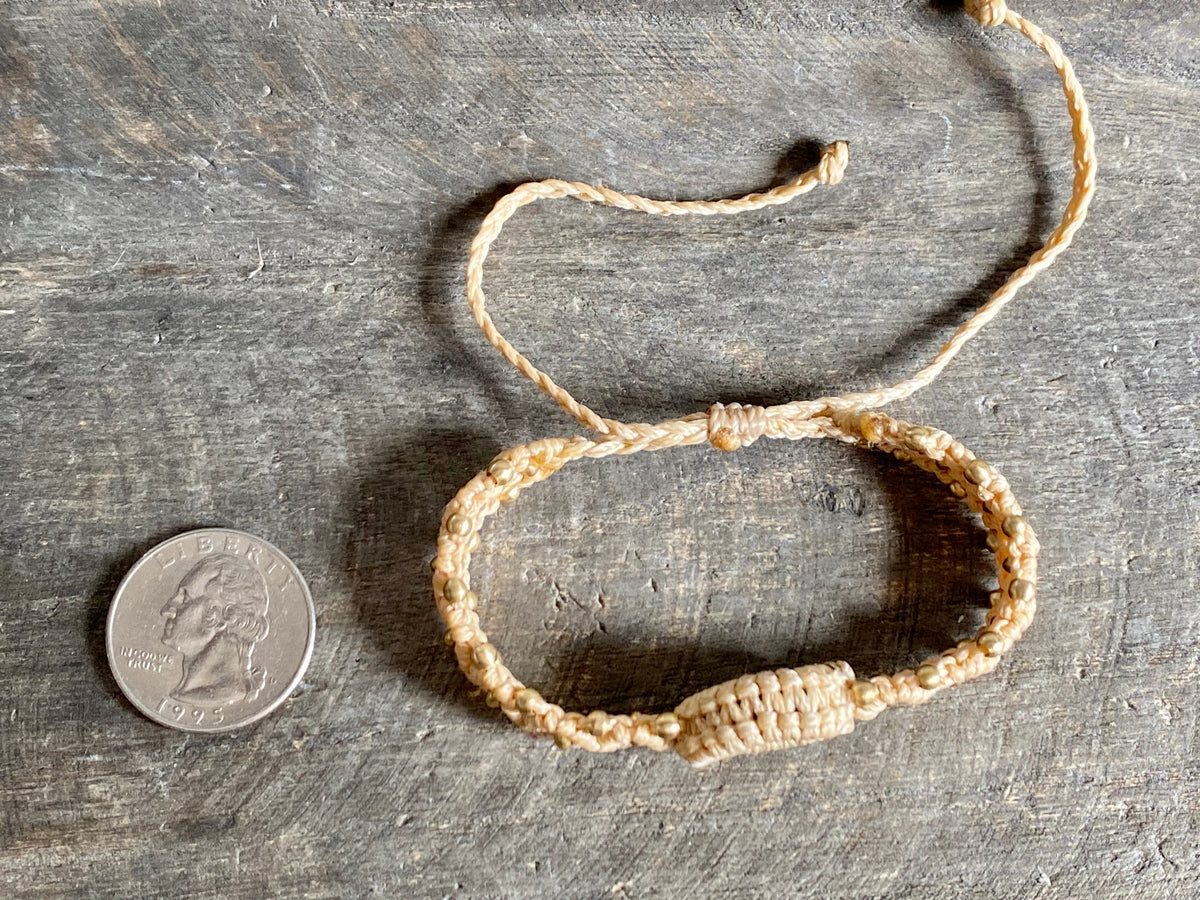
x: 215, y: 618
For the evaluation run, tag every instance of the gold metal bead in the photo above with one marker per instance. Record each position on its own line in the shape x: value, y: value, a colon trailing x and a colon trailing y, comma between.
x: 458, y: 524
x: 667, y: 726
x: 917, y: 438
x: 1013, y: 526
x: 978, y: 472
x: 492, y: 701
x: 865, y: 692
x: 990, y: 642
x: 503, y: 471
x: 1021, y: 590
x: 433, y: 564
x: 958, y: 490
x: 448, y: 637
x: 564, y: 742
x: 486, y: 655
x: 928, y: 677
x: 454, y: 590
x: 993, y: 542
x: 527, y: 698
x: 871, y: 425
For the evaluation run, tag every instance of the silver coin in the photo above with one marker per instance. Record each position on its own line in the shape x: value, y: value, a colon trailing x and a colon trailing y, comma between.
x: 211, y: 630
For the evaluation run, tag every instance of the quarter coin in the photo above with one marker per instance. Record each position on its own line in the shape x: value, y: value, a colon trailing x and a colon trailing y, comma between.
x: 211, y: 630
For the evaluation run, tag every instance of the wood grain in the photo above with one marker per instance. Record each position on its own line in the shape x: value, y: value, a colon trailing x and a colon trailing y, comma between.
x: 233, y: 241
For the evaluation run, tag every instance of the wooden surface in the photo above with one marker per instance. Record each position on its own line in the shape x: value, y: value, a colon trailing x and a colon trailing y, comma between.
x: 232, y: 294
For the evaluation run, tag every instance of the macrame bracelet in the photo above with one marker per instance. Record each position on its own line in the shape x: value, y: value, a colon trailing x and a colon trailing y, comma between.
x: 783, y: 707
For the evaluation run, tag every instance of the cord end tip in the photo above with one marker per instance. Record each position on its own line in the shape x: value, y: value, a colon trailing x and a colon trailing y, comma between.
x: 834, y: 158
x: 988, y: 13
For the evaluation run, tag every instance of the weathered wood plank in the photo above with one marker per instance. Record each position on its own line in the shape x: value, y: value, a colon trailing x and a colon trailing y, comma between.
x: 232, y: 295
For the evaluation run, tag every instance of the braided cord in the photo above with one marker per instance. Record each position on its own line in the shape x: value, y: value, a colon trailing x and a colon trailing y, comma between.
x: 829, y: 170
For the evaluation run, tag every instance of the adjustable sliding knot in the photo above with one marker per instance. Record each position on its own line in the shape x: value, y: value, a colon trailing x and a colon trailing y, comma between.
x: 989, y: 13
x: 834, y: 159
x: 734, y: 426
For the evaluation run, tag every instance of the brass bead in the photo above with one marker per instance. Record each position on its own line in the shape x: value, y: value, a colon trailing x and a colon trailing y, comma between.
x: 993, y: 542
x: 527, y: 698
x: 865, y: 692
x: 871, y: 427
x: 917, y: 438
x: 928, y: 677
x: 448, y: 637
x: 989, y: 642
x: 978, y: 472
x: 454, y: 590
x: 667, y: 726
x: 486, y: 655
x: 564, y: 743
x: 1013, y: 526
x: 458, y: 524
x: 1021, y: 590
x: 492, y: 701
x: 958, y: 490
x: 433, y: 564
x: 503, y: 471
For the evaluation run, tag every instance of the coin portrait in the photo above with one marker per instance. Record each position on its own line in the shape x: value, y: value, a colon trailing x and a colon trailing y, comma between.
x: 215, y: 619
x: 210, y: 630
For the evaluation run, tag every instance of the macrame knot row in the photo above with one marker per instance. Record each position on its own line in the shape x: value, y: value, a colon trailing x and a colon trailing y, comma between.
x: 989, y: 12
x: 834, y: 159
x: 736, y: 425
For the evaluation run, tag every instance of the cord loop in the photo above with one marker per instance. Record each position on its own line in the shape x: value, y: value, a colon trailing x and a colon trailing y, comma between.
x: 829, y: 170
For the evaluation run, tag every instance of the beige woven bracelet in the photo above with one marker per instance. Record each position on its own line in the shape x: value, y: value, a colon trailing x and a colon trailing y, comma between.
x: 784, y: 707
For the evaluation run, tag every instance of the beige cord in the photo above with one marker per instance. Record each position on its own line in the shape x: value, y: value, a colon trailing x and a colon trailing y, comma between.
x: 786, y: 707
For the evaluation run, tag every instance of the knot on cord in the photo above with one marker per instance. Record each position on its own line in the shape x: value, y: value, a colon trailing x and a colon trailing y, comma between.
x: 988, y: 12
x: 735, y: 425
x: 834, y: 158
